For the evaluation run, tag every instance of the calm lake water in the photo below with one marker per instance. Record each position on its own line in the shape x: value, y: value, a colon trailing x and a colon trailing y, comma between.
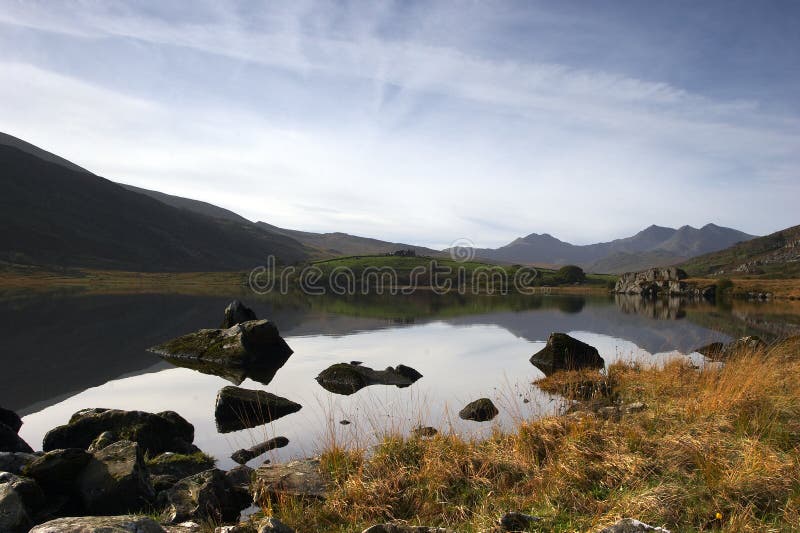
x: 60, y: 353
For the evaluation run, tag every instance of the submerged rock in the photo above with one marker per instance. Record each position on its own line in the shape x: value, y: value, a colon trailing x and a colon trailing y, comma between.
x: 242, y: 456
x: 563, y: 352
x: 100, y: 524
x: 11, y: 442
x: 718, y: 351
x: 115, y: 480
x: 236, y: 313
x: 347, y: 378
x: 11, y: 419
x: 297, y: 478
x: 243, y: 408
x: 207, y: 495
x: 252, y: 343
x: 154, y: 433
x: 481, y: 410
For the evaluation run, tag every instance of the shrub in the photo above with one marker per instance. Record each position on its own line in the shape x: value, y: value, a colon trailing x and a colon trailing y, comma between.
x: 570, y: 274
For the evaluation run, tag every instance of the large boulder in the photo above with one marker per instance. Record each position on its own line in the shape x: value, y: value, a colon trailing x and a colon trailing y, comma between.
x: 244, y: 408
x: 15, y: 462
x: 651, y: 282
x: 242, y: 456
x: 20, y: 498
x: 169, y: 468
x: 347, y: 378
x: 236, y: 313
x: 481, y: 410
x: 57, y: 470
x: 154, y: 433
x: 207, y: 495
x: 115, y: 481
x: 563, y: 352
x: 252, y: 343
x: 11, y: 442
x: 11, y: 419
x: 100, y: 524
x: 297, y: 478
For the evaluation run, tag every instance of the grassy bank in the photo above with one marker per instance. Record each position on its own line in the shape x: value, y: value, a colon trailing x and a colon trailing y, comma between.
x: 788, y: 288
x: 713, y: 449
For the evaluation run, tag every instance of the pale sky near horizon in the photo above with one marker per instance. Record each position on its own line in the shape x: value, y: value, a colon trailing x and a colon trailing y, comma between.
x: 424, y: 122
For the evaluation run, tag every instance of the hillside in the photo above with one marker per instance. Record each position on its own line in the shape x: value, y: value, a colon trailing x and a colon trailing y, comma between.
x: 203, y: 208
x: 776, y: 255
x: 653, y: 246
x: 52, y: 214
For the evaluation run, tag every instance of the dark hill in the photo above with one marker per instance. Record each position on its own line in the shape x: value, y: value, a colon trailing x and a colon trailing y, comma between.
x: 54, y: 214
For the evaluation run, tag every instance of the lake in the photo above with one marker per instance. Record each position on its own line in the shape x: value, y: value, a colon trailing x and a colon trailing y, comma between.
x: 64, y: 352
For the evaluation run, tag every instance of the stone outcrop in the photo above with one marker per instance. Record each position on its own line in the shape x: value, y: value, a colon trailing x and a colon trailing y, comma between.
x: 348, y: 378
x: 154, y: 433
x: 297, y: 478
x: 563, y: 352
x: 100, y: 524
x: 243, y: 408
x: 481, y: 410
x: 251, y: 343
x: 665, y: 281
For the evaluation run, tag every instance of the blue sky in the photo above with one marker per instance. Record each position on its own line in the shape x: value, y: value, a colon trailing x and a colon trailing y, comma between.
x: 424, y: 122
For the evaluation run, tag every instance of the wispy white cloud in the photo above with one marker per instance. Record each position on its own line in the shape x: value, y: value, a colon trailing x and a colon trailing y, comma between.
x: 434, y: 140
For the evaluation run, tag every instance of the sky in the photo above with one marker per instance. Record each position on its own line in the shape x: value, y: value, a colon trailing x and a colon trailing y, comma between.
x: 424, y: 122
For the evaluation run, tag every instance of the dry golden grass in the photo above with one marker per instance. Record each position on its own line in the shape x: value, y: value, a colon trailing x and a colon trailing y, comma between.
x: 780, y: 288
x: 721, y: 439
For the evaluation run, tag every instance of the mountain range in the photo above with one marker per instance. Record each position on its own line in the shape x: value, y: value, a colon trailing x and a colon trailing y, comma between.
x: 56, y: 213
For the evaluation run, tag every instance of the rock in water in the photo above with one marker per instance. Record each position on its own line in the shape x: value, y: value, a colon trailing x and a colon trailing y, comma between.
x: 100, y: 524
x: 718, y: 351
x: 651, y: 282
x: 115, y: 480
x: 11, y: 419
x: 242, y: 456
x: 481, y: 410
x: 252, y: 343
x: 243, y: 408
x: 563, y: 352
x: 297, y: 478
x: 11, y: 442
x: 347, y: 378
x: 236, y: 313
x: 154, y: 433
x: 207, y: 495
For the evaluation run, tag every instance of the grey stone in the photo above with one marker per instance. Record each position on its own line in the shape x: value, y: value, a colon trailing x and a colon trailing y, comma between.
x: 236, y: 313
x: 563, y: 352
x: 296, y: 478
x: 242, y: 456
x: 11, y: 442
x: 100, y: 524
x: 629, y: 525
x: 115, y: 480
x: 238, y: 408
x: 207, y: 495
x: 481, y: 410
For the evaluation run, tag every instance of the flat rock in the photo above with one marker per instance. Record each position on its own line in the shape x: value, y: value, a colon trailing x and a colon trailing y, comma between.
x: 11, y: 442
x: 204, y: 496
x: 347, y: 378
x: 629, y: 525
x: 563, y: 352
x: 11, y: 419
x: 402, y: 528
x: 251, y: 343
x: 155, y: 433
x: 100, y: 524
x: 481, y: 410
x: 242, y: 456
x: 115, y: 480
x: 296, y: 478
x: 238, y: 408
